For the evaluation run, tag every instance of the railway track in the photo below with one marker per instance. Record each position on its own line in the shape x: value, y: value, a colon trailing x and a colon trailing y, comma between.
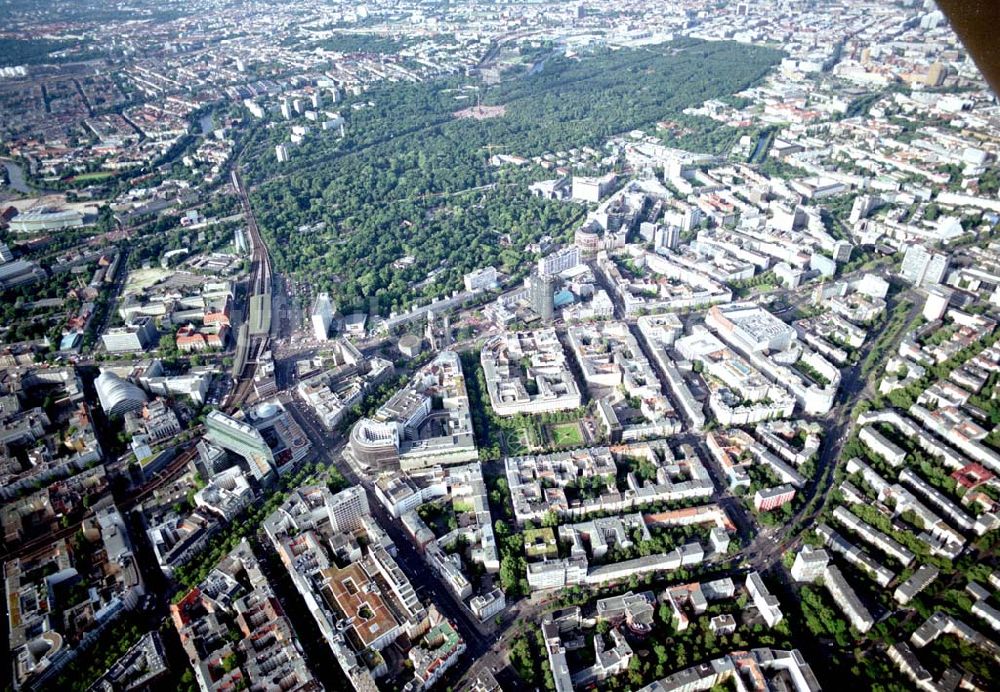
x: 37, y: 545
x: 253, y: 336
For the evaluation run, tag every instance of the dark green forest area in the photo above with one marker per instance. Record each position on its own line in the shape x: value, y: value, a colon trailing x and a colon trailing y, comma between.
x: 40, y: 50
x: 363, y: 43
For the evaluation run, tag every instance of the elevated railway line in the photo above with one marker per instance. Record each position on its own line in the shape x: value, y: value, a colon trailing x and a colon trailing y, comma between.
x: 252, y: 338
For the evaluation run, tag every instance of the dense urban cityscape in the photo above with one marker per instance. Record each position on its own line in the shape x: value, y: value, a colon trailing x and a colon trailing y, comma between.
x: 488, y: 345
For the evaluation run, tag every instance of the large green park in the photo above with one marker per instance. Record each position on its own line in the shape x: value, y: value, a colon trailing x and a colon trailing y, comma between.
x: 411, y: 179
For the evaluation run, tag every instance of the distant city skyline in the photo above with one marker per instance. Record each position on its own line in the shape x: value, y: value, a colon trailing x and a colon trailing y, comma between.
x: 498, y: 345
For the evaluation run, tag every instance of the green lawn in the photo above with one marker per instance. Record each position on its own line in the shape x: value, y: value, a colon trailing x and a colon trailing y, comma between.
x: 566, y: 435
x: 97, y: 175
x: 539, y: 543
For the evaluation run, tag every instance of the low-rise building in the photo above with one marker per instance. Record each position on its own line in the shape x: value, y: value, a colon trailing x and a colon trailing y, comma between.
x: 767, y: 604
x: 91, y: 594
x: 139, y: 335
x: 722, y: 625
x: 438, y: 651
x: 786, y: 667
x: 838, y: 544
x: 918, y: 581
x: 810, y: 564
x: 481, y: 279
x: 885, y: 448
x: 408, y: 433
x: 144, y: 664
x: 766, y: 499
x: 941, y: 623
x: 633, y: 610
x: 227, y: 494
x: 844, y: 595
x: 886, y: 544
x: 261, y: 649
x: 538, y: 484
x: 527, y: 373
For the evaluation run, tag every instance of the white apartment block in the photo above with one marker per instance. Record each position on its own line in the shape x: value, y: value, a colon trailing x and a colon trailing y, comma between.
x: 847, y: 599
x: 767, y: 604
x: 882, y: 446
x: 480, y: 279
x: 921, y: 267
x: 559, y: 261
x: 810, y: 564
x: 504, y: 358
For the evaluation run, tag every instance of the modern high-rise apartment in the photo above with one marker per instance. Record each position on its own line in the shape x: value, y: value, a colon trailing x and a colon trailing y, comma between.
x: 921, y: 267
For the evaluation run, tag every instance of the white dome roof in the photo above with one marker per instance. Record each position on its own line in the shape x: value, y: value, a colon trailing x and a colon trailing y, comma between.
x: 267, y: 409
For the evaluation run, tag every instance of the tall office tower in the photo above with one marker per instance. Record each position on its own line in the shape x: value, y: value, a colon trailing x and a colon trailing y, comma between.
x: 541, y: 292
x: 863, y: 206
x: 691, y: 218
x: 429, y: 330
x: 347, y: 509
x: 914, y: 264
x: 842, y: 251
x: 938, y: 298
x: 937, y: 269
x: 211, y: 459
x: 668, y: 237
x: 321, y: 316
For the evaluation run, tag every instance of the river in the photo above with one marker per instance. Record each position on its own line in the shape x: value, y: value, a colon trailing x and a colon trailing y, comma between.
x: 761, y: 142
